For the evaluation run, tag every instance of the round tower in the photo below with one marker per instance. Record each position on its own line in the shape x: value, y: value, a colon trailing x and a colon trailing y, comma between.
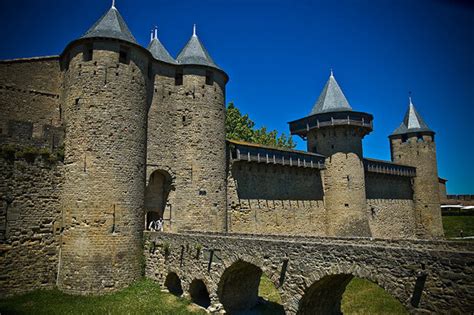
x: 200, y: 203
x: 105, y: 102
x: 333, y: 129
x: 412, y: 143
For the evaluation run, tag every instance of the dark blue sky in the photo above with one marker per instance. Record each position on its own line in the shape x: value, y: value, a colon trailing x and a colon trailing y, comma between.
x: 278, y: 55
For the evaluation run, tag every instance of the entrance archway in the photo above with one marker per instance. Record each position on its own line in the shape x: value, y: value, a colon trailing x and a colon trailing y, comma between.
x: 199, y: 294
x: 156, y: 195
x: 173, y: 284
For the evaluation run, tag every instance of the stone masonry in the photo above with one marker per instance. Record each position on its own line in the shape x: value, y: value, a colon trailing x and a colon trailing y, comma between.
x: 108, y: 136
x: 425, y: 276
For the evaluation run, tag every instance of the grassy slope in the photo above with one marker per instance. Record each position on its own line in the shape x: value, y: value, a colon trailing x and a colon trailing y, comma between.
x: 143, y: 297
x: 453, y: 224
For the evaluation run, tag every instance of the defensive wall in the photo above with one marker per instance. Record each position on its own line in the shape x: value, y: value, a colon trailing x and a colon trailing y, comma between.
x: 279, y: 191
x: 30, y: 223
x: 30, y: 92
x: 311, y: 273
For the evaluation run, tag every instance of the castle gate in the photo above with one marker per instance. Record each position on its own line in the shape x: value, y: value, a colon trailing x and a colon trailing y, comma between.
x: 156, y: 195
x: 311, y: 273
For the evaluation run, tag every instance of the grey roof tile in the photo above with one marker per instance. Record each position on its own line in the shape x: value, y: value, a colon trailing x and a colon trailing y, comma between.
x: 195, y: 53
x: 331, y: 99
x: 412, y: 122
x: 159, y: 51
x: 111, y: 25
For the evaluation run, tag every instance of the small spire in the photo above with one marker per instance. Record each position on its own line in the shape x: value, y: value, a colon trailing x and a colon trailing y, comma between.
x: 194, y: 30
x: 409, y: 98
x: 151, y: 35
x: 156, y: 32
x: 113, y: 4
x: 332, y: 74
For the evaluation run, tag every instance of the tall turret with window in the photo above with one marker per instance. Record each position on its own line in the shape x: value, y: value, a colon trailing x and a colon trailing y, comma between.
x: 201, y: 147
x: 412, y: 143
x: 334, y: 130
x: 186, y: 137
x: 106, y: 96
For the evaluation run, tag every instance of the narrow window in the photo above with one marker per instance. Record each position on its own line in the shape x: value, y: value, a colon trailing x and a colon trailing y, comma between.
x: 404, y: 138
x: 178, y: 78
x: 87, y: 53
x: 209, y: 78
x: 66, y: 62
x: 124, y: 55
x: 420, y: 138
x: 150, y: 71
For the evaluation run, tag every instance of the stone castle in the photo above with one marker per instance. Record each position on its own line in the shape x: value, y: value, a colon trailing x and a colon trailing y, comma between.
x: 144, y: 137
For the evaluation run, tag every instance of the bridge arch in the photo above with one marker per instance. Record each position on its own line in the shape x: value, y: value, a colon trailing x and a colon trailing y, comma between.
x: 238, y: 287
x: 326, y: 288
x: 199, y: 293
x: 173, y: 284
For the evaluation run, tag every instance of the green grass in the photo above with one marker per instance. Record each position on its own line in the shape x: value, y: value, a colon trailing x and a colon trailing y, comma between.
x: 143, y: 297
x: 364, y: 297
x: 454, y: 224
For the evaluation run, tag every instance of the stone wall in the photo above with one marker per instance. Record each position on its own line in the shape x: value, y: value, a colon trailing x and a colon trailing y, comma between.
x: 275, y: 199
x: 386, y: 186
x: 274, y: 182
x: 29, y: 97
x: 30, y: 221
x: 391, y: 218
x: 426, y: 277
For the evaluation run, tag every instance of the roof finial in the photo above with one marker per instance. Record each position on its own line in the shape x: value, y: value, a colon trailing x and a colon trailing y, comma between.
x: 113, y: 4
x: 194, y: 30
x: 156, y: 32
x: 332, y: 74
x: 409, y: 97
x: 151, y: 35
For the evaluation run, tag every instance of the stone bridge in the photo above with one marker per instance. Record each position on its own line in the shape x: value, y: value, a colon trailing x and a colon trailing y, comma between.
x: 311, y: 273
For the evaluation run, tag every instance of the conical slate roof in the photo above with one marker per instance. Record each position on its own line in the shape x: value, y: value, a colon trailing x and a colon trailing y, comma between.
x: 412, y: 122
x: 159, y: 51
x: 331, y: 99
x: 194, y: 53
x: 111, y: 25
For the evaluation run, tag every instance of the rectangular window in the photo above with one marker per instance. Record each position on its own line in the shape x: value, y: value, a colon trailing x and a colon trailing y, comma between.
x: 124, y: 55
x: 178, y: 78
x: 209, y: 78
x: 87, y: 53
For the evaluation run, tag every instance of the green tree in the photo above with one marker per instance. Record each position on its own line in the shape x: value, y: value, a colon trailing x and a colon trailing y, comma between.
x: 241, y: 127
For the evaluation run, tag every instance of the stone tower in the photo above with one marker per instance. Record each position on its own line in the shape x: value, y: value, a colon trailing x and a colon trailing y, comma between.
x: 105, y: 100
x: 412, y: 143
x: 186, y: 137
x: 334, y: 130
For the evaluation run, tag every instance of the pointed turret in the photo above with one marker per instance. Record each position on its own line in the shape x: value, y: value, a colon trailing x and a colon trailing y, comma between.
x: 111, y: 25
x: 412, y: 122
x: 331, y: 99
x: 157, y: 49
x: 413, y: 144
x: 194, y: 53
